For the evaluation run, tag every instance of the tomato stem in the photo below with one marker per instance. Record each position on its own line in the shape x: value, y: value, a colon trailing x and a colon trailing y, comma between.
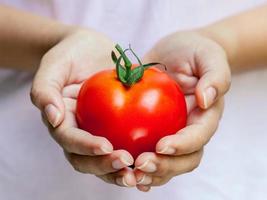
x: 125, y: 73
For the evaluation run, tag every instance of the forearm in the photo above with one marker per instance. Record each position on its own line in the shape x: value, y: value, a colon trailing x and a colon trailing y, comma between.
x: 24, y: 38
x: 244, y: 38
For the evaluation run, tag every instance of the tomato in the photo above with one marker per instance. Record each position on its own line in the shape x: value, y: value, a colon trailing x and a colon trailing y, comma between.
x: 133, y: 117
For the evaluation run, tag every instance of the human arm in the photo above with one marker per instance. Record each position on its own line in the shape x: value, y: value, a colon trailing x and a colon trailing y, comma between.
x: 25, y: 38
x: 62, y: 56
x: 243, y: 37
x: 198, y: 59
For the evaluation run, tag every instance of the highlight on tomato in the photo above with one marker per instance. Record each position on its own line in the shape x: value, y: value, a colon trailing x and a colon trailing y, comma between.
x: 133, y: 105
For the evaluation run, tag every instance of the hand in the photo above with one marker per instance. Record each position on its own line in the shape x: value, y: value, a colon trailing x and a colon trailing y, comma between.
x: 54, y: 92
x: 200, y: 67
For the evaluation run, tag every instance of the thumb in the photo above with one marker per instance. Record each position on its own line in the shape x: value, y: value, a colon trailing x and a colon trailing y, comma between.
x: 215, y: 77
x: 46, y: 91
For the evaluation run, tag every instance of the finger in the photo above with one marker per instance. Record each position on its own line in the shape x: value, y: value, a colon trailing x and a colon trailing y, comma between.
x: 71, y: 91
x: 186, y: 82
x: 143, y: 188
x: 202, y: 124
x: 191, y: 103
x: 75, y: 140
x: 70, y: 107
x: 167, y: 166
x: 46, y: 89
x: 179, y: 69
x: 215, y: 76
x: 100, y: 165
x: 142, y: 178
x: 146, y: 180
x: 123, y: 178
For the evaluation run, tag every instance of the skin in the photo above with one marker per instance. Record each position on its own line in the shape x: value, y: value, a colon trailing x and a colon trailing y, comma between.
x: 196, y: 63
x: 83, y: 52
x: 27, y: 37
x: 66, y: 56
x: 240, y: 40
x: 243, y: 37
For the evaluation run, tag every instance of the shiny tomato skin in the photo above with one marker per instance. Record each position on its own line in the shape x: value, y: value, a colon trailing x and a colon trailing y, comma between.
x: 131, y: 118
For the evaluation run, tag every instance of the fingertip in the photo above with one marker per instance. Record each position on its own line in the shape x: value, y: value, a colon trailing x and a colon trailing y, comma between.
x: 126, y: 160
x: 102, y: 146
x: 127, y: 156
x: 103, y: 150
x: 162, y: 145
x: 121, y: 159
x: 143, y: 188
x: 209, y: 96
x: 142, y: 158
x: 53, y: 115
x: 127, y: 178
x: 146, y: 163
x: 107, y: 145
x: 206, y: 96
x: 130, y: 179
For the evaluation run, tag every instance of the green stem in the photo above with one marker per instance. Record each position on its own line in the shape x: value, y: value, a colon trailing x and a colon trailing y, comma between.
x: 126, y: 60
x: 126, y: 74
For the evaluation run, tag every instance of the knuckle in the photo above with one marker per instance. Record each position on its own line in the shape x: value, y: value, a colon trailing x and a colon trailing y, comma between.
x: 74, y: 162
x: 99, y: 171
x: 161, y: 171
x: 35, y: 95
x: 66, y: 139
x: 227, y: 81
x: 110, y: 179
x: 196, y: 142
x: 67, y: 143
x: 192, y: 167
x: 102, y: 167
x: 59, y: 136
x: 156, y: 181
x: 159, y: 181
x: 105, y: 178
x: 163, y: 168
x: 221, y: 105
x: 194, y: 164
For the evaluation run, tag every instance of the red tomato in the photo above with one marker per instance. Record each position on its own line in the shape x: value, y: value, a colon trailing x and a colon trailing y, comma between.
x: 132, y: 118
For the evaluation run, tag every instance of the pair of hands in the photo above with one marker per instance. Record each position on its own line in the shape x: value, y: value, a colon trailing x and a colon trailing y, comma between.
x: 196, y: 62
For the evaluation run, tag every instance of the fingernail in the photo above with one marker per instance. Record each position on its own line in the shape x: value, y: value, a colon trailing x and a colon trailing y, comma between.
x: 121, y: 181
x: 52, y: 114
x: 121, y: 163
x: 103, y: 150
x: 209, y: 96
x: 144, y: 180
x: 167, y: 150
x: 148, y: 166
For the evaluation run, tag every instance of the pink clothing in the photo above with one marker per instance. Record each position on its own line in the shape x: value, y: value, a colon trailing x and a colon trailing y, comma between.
x: 32, y: 165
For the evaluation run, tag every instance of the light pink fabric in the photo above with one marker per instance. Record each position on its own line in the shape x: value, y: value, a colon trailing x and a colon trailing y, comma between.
x: 32, y: 165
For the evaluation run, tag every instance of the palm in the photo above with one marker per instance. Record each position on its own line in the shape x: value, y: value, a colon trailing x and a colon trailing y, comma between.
x: 188, y: 57
x: 71, y: 62
x: 83, y: 55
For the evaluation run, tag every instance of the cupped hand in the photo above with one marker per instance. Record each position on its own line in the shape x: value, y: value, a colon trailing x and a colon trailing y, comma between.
x: 200, y: 67
x: 54, y: 91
